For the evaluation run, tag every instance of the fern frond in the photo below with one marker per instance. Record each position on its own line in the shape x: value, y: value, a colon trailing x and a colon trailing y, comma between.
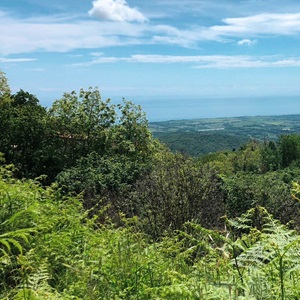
x: 15, y: 243
x: 6, y: 244
x: 39, y: 277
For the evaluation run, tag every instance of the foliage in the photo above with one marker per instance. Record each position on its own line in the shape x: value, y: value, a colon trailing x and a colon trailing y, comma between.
x: 23, y: 127
x: 81, y: 122
x: 195, y: 143
x: 176, y: 191
x: 46, y: 142
x: 270, y: 157
x: 51, y: 249
x: 4, y: 86
x: 118, y: 216
x: 271, y: 259
x: 271, y: 190
x: 71, y: 257
x: 289, y: 147
x: 101, y: 179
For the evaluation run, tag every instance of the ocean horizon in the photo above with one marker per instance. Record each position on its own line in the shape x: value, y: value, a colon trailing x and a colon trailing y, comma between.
x: 168, y: 108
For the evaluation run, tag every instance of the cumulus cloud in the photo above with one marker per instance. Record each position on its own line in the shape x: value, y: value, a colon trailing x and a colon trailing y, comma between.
x: 116, y: 10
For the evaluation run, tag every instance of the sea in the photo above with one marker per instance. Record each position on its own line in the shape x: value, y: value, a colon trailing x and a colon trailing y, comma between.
x: 165, y: 108
x: 168, y: 108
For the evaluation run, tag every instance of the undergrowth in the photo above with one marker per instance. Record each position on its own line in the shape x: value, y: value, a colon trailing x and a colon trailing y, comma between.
x: 50, y: 249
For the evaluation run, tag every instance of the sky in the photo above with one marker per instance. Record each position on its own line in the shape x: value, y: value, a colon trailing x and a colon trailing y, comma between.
x: 178, y: 59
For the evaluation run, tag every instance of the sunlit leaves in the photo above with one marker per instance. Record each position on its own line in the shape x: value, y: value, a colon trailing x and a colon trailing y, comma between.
x: 4, y: 87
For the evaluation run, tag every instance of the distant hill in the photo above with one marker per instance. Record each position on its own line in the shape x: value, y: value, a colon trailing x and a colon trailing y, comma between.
x: 202, y: 136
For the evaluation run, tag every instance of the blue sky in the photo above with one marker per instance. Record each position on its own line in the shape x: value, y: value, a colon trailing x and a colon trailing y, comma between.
x: 159, y: 53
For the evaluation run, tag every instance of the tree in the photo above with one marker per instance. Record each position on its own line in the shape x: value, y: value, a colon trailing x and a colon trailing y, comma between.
x: 27, y: 134
x: 96, y: 117
x: 4, y: 87
x: 289, y: 148
x: 247, y: 159
x: 131, y: 135
x: 100, y: 178
x: 270, y: 159
x: 23, y: 129
x: 80, y: 124
x: 5, y: 115
x: 245, y: 190
x: 104, y: 150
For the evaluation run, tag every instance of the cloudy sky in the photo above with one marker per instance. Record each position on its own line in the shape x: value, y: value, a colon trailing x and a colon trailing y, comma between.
x: 153, y: 51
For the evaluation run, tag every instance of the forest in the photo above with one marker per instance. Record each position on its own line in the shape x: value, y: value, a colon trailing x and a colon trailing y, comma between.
x: 94, y: 207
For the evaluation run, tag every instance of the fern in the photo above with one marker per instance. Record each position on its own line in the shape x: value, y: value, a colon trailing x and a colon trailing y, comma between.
x: 35, y: 280
x: 272, y: 257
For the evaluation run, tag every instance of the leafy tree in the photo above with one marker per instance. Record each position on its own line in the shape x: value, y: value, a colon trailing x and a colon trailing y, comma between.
x: 23, y: 127
x: 221, y: 162
x: 115, y: 153
x: 131, y: 135
x: 6, y: 123
x: 289, y: 147
x: 4, y: 86
x: 270, y: 159
x: 247, y: 159
x: 5, y: 116
x: 81, y: 121
x: 28, y: 133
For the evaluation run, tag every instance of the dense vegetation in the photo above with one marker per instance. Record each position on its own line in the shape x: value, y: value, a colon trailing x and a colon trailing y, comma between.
x: 93, y: 207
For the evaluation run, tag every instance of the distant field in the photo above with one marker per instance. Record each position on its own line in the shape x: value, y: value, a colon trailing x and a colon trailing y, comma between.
x: 201, y: 136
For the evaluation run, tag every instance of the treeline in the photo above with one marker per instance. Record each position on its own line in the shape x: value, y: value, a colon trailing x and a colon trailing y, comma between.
x: 93, y: 207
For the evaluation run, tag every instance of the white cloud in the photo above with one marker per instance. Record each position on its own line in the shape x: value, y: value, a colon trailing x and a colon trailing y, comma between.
x: 15, y: 60
x: 57, y: 34
x: 247, y: 42
x: 205, y: 61
x: 116, y: 10
x: 33, y: 35
x: 260, y: 24
x: 96, y: 54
